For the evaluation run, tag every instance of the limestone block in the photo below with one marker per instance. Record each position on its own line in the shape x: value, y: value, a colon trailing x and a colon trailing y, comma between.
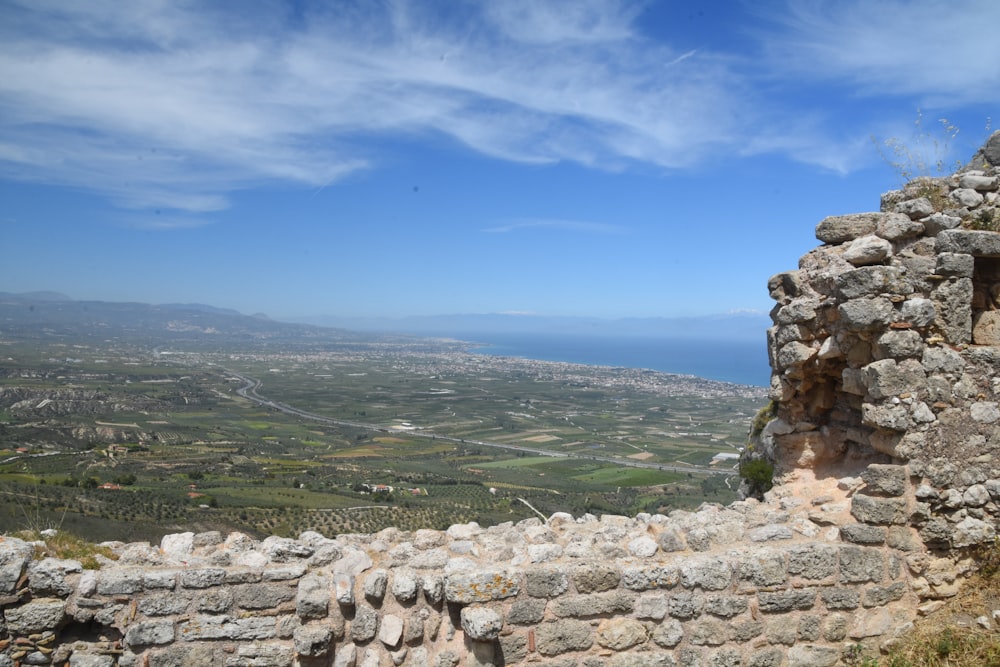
x: 203, y: 577
x: 726, y: 606
x: 918, y: 311
x: 802, y: 309
x: 592, y: 577
x: 343, y: 589
x: 345, y: 656
x: 365, y: 624
x: 853, y: 381
x: 671, y: 539
x: 785, y: 601
x: 768, y: 657
x: 284, y: 572
x: 861, y: 564
x: 785, y: 286
x: 262, y: 596
x: 879, y: 596
x: 261, y: 655
x: 375, y: 585
x: 878, y: 511
x: 120, y: 581
x: 710, y: 574
x: 390, y: 630
x: 866, y: 314
x: 829, y: 349
x: 313, y: 640
x: 986, y: 328
x: 966, y: 197
x: 872, y: 281
x: 595, y: 604
x: 813, y: 655
x: 312, y: 598
x: 35, y: 616
x: 861, y: 533
x: 970, y: 242
x: 481, y: 585
x: 899, y: 344
x: 48, y: 576
x: 812, y: 561
x: 226, y: 627
x: 835, y: 627
x: 770, y: 533
x: 915, y: 209
x: 939, y: 222
x: 686, y: 605
x: 15, y: 555
x: 761, y: 568
x: 650, y: 577
x: 885, y: 480
x: 643, y: 546
x: 563, y: 636
x: 976, y: 495
x: 984, y: 412
x: 898, y: 226
x: 668, y: 634
x: 842, y: 228
x: 708, y: 632
x: 526, y: 612
x: 970, y: 531
x: 215, y: 601
x: 867, y: 250
x: 620, y: 634
x: 956, y: 265
x: 886, y: 378
x: 841, y: 598
x: 178, y: 547
x: 78, y: 659
x: 651, y: 606
x: 978, y: 182
x: 917, y: 268
x: 284, y: 549
x: 150, y: 633
x: 942, y: 360
x: 512, y: 649
x: 546, y: 582
x: 163, y: 604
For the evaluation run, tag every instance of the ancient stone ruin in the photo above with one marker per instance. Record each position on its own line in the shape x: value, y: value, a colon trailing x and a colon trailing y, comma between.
x: 885, y: 439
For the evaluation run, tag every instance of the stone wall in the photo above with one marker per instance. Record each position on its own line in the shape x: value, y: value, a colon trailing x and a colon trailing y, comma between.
x: 756, y: 584
x: 886, y: 438
x: 885, y: 348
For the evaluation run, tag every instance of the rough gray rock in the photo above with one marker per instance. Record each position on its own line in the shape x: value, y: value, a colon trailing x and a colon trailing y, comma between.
x: 481, y: 623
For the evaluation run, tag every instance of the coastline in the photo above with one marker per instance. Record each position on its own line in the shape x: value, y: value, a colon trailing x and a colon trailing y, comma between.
x: 738, y: 362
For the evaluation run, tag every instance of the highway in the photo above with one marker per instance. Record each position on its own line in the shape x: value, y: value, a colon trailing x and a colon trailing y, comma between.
x: 250, y: 391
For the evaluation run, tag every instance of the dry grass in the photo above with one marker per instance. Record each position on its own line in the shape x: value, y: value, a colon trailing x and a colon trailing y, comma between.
x: 67, y: 546
x: 953, y: 636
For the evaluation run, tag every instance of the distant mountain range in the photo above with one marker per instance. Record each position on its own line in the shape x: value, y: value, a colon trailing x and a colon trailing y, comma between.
x: 54, y: 314
x: 742, y: 325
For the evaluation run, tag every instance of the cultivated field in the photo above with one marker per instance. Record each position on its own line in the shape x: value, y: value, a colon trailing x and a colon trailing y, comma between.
x: 351, y: 439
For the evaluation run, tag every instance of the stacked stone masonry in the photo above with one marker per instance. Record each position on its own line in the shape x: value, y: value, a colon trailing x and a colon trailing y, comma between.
x: 754, y: 584
x: 886, y: 438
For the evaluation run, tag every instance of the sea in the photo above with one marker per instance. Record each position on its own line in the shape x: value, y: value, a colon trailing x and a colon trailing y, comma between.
x: 741, y: 361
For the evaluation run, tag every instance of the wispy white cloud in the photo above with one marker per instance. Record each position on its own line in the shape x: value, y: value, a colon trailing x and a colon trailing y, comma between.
x: 936, y: 50
x: 86, y: 87
x: 156, y: 221
x: 575, y: 226
x: 218, y: 97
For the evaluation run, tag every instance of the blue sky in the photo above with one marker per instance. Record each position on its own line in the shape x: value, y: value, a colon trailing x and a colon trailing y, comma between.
x: 582, y: 157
